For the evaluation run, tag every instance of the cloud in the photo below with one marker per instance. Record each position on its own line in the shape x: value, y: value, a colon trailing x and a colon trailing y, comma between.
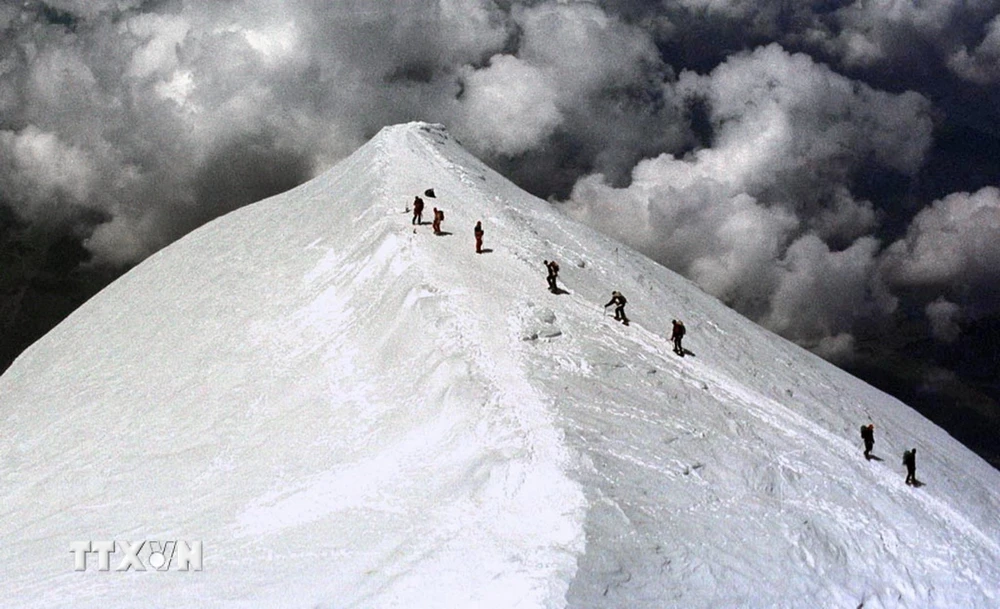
x: 943, y: 317
x: 901, y: 42
x: 981, y: 65
x: 765, y: 218
x: 158, y: 37
x: 780, y: 117
x: 509, y: 106
x: 876, y: 32
x: 839, y: 349
x: 86, y: 9
x: 578, y: 71
x: 952, y: 242
x: 590, y: 51
x: 44, y: 175
x: 724, y: 240
x: 120, y: 240
x: 888, y: 32
x: 821, y: 293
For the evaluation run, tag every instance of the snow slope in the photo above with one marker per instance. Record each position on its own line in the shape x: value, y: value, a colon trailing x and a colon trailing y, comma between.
x: 348, y: 411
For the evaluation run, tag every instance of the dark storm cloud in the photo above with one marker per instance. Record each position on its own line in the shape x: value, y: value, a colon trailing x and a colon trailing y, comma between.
x: 909, y: 39
x: 735, y: 141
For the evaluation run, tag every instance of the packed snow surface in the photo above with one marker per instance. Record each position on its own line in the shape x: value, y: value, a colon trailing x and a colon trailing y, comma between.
x: 347, y: 410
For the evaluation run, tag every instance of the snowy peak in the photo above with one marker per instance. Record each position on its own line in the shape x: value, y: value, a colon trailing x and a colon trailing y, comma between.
x: 349, y: 410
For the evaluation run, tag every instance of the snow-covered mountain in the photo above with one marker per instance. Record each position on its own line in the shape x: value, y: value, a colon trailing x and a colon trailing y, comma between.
x: 349, y: 411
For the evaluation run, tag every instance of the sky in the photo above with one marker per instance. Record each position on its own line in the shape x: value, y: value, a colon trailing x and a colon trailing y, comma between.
x: 829, y: 169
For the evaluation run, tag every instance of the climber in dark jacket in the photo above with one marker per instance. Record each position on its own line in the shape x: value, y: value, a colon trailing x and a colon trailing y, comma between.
x: 619, y: 301
x: 418, y: 209
x: 478, y: 232
x: 553, y: 268
x: 868, y: 435
x: 910, y: 461
x: 677, y: 334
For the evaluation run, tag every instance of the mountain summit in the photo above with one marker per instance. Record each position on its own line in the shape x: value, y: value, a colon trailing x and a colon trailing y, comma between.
x: 346, y: 410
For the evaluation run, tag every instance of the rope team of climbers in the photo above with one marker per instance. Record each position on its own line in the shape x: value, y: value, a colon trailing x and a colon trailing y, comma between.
x: 619, y: 301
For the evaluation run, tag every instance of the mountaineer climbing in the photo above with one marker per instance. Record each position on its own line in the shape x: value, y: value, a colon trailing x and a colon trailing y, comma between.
x: 910, y: 461
x: 478, y: 232
x: 553, y: 273
x: 676, y: 335
x: 868, y: 435
x: 438, y: 219
x: 418, y: 210
x: 619, y: 301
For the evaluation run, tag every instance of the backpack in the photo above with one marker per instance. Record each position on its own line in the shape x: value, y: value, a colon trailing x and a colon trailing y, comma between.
x: 441, y: 215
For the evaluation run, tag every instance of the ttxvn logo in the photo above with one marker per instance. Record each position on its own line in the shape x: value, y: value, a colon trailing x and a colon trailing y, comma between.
x: 158, y: 555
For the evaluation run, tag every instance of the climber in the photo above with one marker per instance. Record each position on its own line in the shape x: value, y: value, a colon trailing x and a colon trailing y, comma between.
x: 676, y: 335
x: 619, y: 301
x: 418, y: 209
x: 868, y: 435
x: 438, y: 219
x: 553, y: 273
x: 910, y: 461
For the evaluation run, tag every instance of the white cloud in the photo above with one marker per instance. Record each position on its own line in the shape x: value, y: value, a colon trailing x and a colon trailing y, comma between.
x: 160, y: 36
x: 570, y: 57
x: 724, y: 240
x: 276, y: 43
x: 820, y: 293
x: 780, y: 116
x: 587, y: 50
x: 8, y: 13
x: 178, y: 88
x: 955, y: 240
x: 41, y: 171
x: 888, y: 32
x: 764, y: 218
x: 509, y: 106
